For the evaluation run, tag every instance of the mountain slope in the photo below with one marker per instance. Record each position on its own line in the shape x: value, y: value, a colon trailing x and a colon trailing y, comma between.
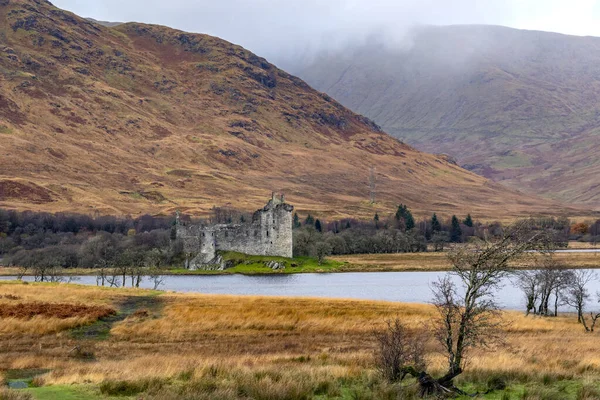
x: 141, y: 118
x: 521, y: 107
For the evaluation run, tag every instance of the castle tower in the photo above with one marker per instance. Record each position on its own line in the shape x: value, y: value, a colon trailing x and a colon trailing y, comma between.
x: 276, y: 228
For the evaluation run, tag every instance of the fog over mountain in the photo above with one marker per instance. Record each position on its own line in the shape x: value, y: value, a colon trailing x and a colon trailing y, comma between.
x: 284, y: 31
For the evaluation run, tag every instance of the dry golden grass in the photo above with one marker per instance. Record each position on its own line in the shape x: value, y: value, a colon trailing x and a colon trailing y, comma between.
x: 582, y: 245
x: 397, y: 262
x: 61, y: 293
x: 439, y: 261
x: 193, y: 334
x: 41, y: 325
x: 29, y: 296
x: 190, y: 317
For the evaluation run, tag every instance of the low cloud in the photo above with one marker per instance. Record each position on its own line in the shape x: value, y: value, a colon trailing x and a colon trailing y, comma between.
x: 284, y: 29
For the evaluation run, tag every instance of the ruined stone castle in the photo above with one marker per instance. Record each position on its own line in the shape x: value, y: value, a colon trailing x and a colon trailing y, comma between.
x: 269, y: 234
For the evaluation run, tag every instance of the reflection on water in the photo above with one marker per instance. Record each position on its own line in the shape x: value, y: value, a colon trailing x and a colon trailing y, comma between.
x: 411, y: 287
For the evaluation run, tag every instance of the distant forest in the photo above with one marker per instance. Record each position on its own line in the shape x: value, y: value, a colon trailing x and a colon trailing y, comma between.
x: 42, y: 240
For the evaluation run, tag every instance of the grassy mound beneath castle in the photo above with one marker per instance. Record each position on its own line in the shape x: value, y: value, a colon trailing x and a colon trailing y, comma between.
x: 239, y: 263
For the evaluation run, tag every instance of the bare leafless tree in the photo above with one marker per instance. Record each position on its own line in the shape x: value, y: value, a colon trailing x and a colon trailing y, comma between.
x: 528, y: 282
x: 101, y: 277
x: 577, y: 292
x: 153, y: 263
x: 396, y: 349
x: 553, y: 278
x: 21, y: 273
x: 468, y: 315
x: 114, y: 279
x: 55, y: 275
x: 593, y: 317
x: 156, y: 277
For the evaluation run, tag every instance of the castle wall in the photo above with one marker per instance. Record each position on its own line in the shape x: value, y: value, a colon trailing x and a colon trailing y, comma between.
x: 244, y: 238
x: 198, y: 243
x: 269, y: 233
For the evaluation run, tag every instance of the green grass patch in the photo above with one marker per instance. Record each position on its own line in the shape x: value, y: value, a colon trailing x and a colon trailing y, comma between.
x: 68, y: 392
x: 5, y: 130
x: 257, y: 265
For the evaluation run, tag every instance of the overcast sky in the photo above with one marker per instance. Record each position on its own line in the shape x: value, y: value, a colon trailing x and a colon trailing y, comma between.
x: 277, y: 28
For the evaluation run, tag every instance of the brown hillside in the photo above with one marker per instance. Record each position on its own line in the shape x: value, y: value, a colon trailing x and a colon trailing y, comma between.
x: 519, y: 107
x: 141, y: 118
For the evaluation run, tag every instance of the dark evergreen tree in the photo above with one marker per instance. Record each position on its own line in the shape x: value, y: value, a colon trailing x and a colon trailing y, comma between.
x: 348, y: 226
x: 401, y: 212
x: 310, y: 220
x: 296, y: 223
x: 318, y: 226
x: 409, y: 220
x: 435, y: 224
x: 455, y: 231
x: 468, y: 221
x: 404, y: 215
x: 376, y: 219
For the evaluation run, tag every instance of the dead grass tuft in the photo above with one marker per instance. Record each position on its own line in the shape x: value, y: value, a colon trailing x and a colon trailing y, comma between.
x: 49, y: 310
x: 8, y: 394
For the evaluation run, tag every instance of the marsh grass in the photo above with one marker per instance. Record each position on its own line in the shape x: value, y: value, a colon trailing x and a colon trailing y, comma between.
x: 207, y: 346
x: 7, y: 394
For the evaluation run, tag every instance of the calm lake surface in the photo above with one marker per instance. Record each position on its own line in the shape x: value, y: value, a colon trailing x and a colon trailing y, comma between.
x: 409, y: 287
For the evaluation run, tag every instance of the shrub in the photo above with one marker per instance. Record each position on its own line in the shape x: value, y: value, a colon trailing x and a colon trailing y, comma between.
x: 82, y: 354
x: 396, y: 349
x: 131, y: 388
x: 496, y: 383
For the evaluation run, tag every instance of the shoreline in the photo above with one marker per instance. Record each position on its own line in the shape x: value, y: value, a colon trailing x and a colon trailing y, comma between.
x: 357, y: 263
x: 374, y: 269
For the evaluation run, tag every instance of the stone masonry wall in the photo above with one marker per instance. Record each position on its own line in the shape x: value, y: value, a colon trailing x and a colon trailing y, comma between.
x: 269, y: 233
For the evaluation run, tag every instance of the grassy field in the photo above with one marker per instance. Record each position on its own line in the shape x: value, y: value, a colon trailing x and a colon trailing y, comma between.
x: 439, y: 261
x: 165, y: 346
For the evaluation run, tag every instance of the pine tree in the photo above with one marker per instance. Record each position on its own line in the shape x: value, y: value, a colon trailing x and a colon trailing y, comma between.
x: 318, y: 226
x: 310, y: 220
x: 409, y: 220
x: 455, y: 231
x: 435, y: 224
x: 376, y: 219
x: 468, y: 221
x: 296, y: 223
x: 403, y: 214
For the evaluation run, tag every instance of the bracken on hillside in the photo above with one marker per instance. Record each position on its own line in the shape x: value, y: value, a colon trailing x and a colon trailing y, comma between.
x: 142, y: 118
